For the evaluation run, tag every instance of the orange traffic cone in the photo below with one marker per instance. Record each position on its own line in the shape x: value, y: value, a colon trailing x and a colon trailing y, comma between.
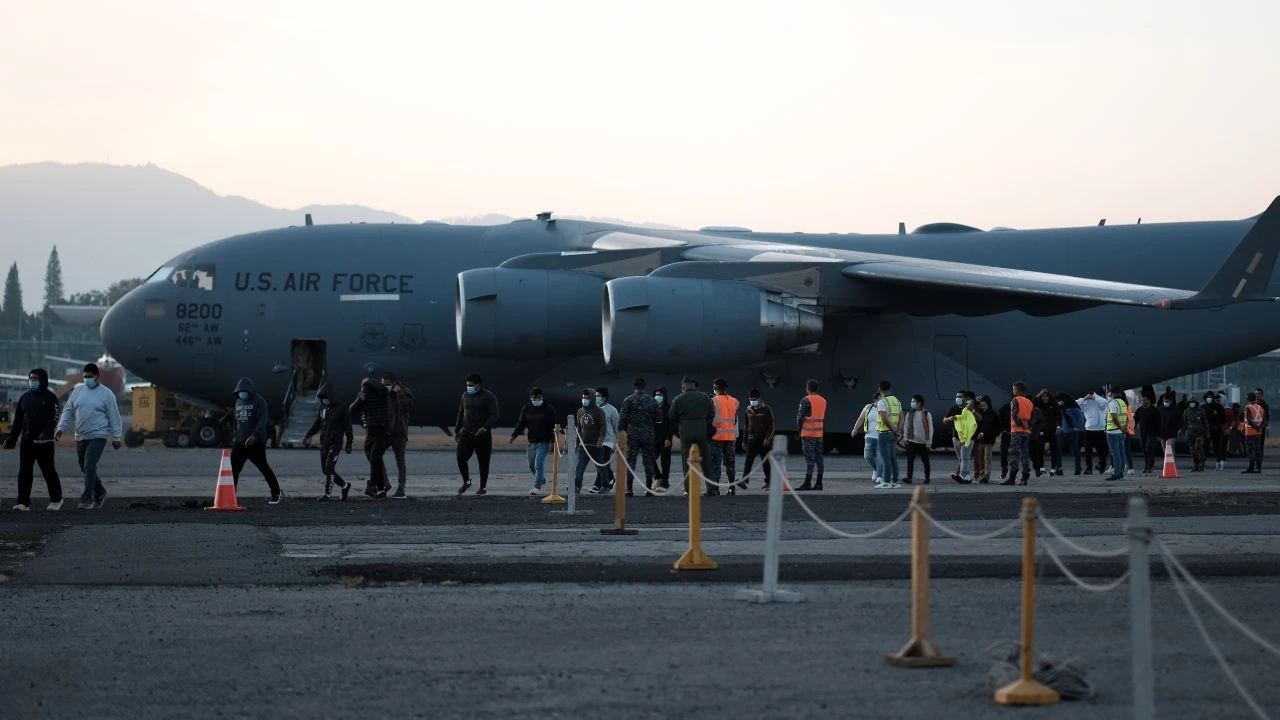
x: 1170, y: 469
x: 224, y: 496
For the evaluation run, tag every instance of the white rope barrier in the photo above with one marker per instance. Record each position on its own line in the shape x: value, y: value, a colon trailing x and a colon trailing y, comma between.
x: 1171, y: 567
x: 655, y: 490
x: 1195, y: 585
x: 1080, y: 549
x: 961, y: 536
x: 1081, y: 583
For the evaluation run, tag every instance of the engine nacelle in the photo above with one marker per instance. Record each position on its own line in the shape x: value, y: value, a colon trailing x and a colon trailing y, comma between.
x: 516, y: 313
x: 662, y: 324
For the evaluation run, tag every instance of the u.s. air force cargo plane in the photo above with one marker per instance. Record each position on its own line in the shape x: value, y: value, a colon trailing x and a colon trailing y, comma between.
x: 567, y: 304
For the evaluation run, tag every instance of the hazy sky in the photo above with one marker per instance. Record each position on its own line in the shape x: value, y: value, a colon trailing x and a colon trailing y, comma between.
x: 823, y: 116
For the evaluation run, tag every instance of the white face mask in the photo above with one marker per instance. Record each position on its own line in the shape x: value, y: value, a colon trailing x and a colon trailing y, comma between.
x: 536, y: 403
x: 755, y: 403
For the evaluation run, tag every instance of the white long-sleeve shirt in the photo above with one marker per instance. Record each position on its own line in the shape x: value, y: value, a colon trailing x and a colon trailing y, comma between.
x: 610, y: 426
x: 94, y: 414
x: 1095, y: 413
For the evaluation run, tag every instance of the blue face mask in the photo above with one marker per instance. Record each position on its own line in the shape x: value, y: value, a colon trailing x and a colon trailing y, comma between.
x: 536, y: 403
x: 242, y: 395
x: 388, y: 387
x: 324, y: 401
x: 915, y: 405
x: 657, y: 399
x: 472, y: 389
x: 600, y: 401
x: 35, y: 384
x: 586, y: 402
x: 91, y: 383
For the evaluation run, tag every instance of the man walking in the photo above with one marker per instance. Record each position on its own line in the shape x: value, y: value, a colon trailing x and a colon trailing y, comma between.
x: 889, y: 417
x: 604, y: 473
x: 590, y: 422
x: 691, y: 418
x: 918, y: 427
x: 93, y: 411
x: 725, y: 439
x: 35, y: 421
x: 373, y: 407
x: 473, y: 431
x: 811, y: 418
x: 250, y: 441
x: 539, y: 419
x: 401, y: 413
x: 333, y: 423
x: 637, y: 418
x: 759, y: 437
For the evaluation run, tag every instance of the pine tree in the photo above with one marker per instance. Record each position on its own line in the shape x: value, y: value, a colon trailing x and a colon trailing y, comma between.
x: 53, y: 279
x: 11, y: 325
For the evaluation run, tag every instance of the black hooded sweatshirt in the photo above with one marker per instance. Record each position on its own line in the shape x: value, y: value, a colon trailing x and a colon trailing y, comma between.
x: 36, y: 417
x: 373, y: 407
x: 251, y: 415
x: 333, y: 421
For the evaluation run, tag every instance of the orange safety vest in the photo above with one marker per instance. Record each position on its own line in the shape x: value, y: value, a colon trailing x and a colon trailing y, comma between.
x: 1254, y: 413
x: 1020, y: 421
x: 814, y: 424
x: 726, y: 419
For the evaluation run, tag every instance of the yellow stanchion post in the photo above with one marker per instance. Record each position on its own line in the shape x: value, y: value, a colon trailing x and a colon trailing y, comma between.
x: 921, y: 651
x: 1026, y: 691
x: 694, y: 558
x: 619, y: 490
x: 554, y: 498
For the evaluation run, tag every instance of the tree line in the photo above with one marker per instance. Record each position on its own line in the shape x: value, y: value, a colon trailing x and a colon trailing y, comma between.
x: 17, y: 324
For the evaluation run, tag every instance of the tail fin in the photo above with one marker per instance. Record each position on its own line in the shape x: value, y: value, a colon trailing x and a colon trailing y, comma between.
x: 1246, y: 273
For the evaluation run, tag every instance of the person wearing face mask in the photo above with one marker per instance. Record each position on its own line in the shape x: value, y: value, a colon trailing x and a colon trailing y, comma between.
x: 871, y: 443
x: 373, y: 407
x: 92, y: 409
x: 966, y: 424
x: 333, y: 423
x: 1094, y: 407
x: 539, y: 419
x: 725, y: 439
x: 1117, y: 432
x: 636, y: 418
x: 1147, y: 421
x: 690, y: 417
x: 1195, y: 424
x: 662, y: 437
x: 1070, y: 428
x: 918, y: 434
x: 1046, y: 433
x: 811, y: 418
x: 949, y: 427
x: 1215, y: 442
x: 1022, y: 419
x: 759, y: 436
x: 401, y: 400
x: 473, y: 431
x: 1170, y: 420
x: 604, y: 473
x: 590, y: 422
x: 249, y: 443
x: 35, y: 420
x: 988, y: 432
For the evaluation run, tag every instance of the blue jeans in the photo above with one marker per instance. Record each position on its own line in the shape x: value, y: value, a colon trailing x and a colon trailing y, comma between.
x: 888, y: 444
x: 1116, y: 443
x: 871, y: 453
x: 537, y: 460
x: 88, y: 453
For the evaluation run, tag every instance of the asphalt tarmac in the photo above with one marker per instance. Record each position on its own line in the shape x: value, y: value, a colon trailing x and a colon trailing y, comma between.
x: 497, y: 606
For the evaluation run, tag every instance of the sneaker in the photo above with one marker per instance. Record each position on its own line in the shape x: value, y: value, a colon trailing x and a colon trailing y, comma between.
x: 894, y: 486
x: 482, y: 491
x: 346, y: 490
x: 100, y: 500
x: 595, y: 490
x: 882, y: 485
x: 926, y: 479
x: 907, y: 480
x: 1010, y: 481
x: 323, y: 498
x: 399, y: 493
x: 535, y: 492
x: 371, y: 492
x: 463, y: 488
x: 381, y: 494
x: 85, y: 504
x: 22, y: 508
x: 275, y: 499
x: 54, y: 506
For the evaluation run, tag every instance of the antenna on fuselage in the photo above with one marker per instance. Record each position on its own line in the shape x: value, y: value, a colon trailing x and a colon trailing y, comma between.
x: 1102, y: 222
x: 309, y: 220
x: 1139, y: 221
x: 902, y: 228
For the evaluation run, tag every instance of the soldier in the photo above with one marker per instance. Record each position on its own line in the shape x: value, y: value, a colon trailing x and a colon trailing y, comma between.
x: 637, y: 419
x: 401, y: 410
x: 811, y: 419
x: 691, y: 415
x: 373, y: 406
x: 1021, y: 421
x: 333, y: 422
x: 1196, y: 425
x: 759, y: 436
x: 726, y: 435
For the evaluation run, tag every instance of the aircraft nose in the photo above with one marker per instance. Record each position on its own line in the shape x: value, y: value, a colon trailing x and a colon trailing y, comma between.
x: 116, y: 338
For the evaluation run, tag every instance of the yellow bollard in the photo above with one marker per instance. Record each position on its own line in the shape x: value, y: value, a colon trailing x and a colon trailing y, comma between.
x: 1026, y: 691
x: 554, y: 498
x: 619, y: 490
x: 694, y: 558
x: 921, y: 650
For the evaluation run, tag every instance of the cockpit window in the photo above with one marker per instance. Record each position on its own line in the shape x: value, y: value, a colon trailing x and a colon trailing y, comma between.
x: 161, y: 274
x: 180, y: 276
x: 202, y: 277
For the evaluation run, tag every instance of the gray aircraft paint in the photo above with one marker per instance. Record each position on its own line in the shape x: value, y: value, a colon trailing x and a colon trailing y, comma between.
x: 382, y: 297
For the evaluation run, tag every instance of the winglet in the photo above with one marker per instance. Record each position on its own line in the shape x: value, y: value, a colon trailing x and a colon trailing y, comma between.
x: 1246, y: 273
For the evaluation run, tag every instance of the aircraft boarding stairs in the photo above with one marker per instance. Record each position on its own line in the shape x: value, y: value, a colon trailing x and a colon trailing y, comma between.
x: 299, y: 413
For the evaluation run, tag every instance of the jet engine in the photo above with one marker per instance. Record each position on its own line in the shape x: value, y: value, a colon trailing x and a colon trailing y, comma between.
x: 671, y: 324
x: 517, y: 313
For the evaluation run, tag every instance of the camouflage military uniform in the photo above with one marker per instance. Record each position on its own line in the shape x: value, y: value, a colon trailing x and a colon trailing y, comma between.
x: 639, y: 411
x: 1196, y: 425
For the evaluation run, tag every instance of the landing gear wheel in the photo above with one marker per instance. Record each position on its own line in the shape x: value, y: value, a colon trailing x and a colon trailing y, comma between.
x: 134, y: 439
x: 208, y: 434
x: 182, y: 439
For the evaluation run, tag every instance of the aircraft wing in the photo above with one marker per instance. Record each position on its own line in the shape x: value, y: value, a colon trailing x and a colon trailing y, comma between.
x: 24, y: 378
